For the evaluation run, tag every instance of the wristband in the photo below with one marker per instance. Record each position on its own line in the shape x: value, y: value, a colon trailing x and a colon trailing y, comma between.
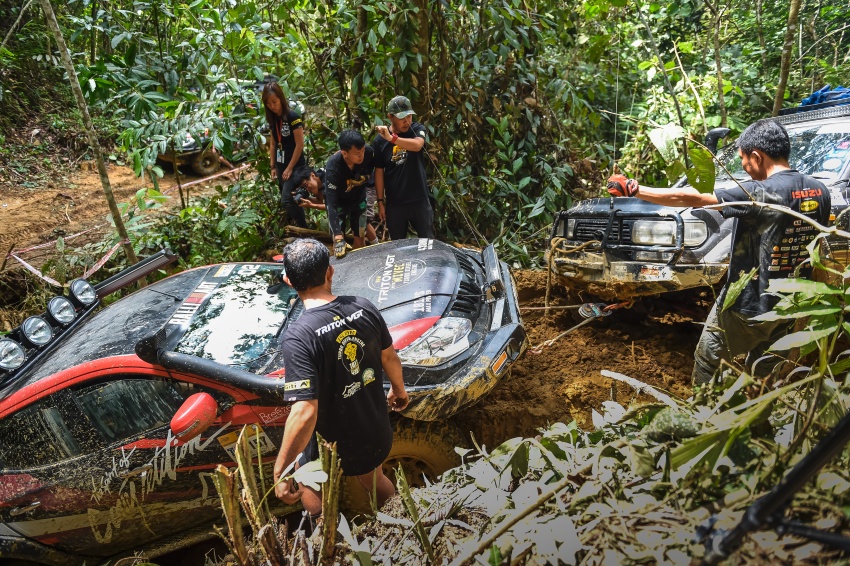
x: 393, y: 139
x: 379, y: 200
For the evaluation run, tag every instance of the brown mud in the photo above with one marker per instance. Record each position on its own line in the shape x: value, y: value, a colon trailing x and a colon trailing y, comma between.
x: 564, y: 383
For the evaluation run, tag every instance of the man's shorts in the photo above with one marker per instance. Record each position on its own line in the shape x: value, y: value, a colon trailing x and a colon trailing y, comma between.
x: 371, y: 201
x: 355, y: 215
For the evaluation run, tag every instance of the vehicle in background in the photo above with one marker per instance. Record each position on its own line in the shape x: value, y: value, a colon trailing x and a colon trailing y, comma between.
x: 622, y: 248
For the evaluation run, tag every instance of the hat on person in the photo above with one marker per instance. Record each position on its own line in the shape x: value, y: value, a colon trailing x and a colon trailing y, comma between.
x: 400, y: 107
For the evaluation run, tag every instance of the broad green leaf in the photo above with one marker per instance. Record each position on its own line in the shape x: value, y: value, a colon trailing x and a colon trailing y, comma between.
x: 800, y: 339
x: 665, y: 138
x: 735, y: 289
x: 701, y: 175
x: 806, y: 286
x: 801, y: 312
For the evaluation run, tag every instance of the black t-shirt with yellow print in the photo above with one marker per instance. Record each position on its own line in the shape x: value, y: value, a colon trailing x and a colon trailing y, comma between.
x: 333, y: 354
x: 404, y: 171
x: 282, y: 130
x: 770, y: 240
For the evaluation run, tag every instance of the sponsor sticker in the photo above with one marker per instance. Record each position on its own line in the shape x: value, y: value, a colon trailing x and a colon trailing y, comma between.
x: 808, y: 205
x: 368, y: 376
x: 351, y: 389
x: 395, y: 274
x: 224, y: 271
x: 258, y: 442
x: 296, y: 385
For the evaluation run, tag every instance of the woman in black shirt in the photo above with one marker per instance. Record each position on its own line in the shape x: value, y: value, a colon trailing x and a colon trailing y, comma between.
x: 286, y: 147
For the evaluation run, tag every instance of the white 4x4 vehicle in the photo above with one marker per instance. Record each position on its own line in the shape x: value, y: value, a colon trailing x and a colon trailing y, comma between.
x: 619, y: 248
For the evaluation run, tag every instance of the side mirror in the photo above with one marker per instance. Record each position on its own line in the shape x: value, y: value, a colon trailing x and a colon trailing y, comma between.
x: 196, y: 414
x: 713, y: 137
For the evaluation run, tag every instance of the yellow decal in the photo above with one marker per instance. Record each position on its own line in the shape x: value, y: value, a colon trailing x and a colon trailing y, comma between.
x: 368, y: 376
x: 344, y: 334
x: 303, y: 384
x: 808, y: 205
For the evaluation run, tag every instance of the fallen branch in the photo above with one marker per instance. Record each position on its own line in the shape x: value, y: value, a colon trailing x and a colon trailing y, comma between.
x: 641, y: 387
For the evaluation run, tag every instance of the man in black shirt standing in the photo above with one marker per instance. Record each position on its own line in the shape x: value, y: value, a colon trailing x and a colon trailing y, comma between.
x: 346, y: 174
x: 334, y: 356
x: 400, y: 173
x: 769, y: 240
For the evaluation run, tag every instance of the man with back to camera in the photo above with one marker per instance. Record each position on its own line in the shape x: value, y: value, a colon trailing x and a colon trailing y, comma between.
x: 334, y: 356
x: 400, y: 180
x: 346, y: 175
x: 770, y: 240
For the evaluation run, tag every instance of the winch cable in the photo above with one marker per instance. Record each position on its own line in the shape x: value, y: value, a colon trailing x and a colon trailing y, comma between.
x: 478, y: 235
x: 590, y: 312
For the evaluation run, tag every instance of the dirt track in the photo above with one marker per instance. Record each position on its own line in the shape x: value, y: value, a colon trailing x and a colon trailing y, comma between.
x: 564, y: 382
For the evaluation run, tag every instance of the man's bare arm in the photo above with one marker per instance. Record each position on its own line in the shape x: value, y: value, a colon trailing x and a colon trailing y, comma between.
x: 299, y: 428
x: 682, y: 196
x: 397, y: 397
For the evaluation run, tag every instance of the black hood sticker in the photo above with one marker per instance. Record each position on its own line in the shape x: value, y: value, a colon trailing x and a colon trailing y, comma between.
x: 395, y: 274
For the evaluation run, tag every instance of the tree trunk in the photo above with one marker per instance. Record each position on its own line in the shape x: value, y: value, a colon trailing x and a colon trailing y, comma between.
x: 760, y: 31
x: 423, y: 46
x: 354, y: 91
x: 90, y: 132
x: 787, y: 48
x: 718, y: 65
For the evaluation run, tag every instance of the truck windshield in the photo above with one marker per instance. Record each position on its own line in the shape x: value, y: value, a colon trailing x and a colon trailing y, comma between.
x: 238, y: 323
x: 821, y: 151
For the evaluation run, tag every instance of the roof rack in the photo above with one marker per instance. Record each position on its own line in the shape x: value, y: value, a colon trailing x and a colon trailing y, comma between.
x: 812, y: 107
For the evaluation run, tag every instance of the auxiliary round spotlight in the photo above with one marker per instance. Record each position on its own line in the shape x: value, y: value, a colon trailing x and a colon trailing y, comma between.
x: 37, y: 331
x: 12, y: 354
x: 61, y: 310
x: 83, y: 292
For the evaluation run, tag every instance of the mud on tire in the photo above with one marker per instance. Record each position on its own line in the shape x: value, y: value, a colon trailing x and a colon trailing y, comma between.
x: 205, y: 163
x: 424, y: 450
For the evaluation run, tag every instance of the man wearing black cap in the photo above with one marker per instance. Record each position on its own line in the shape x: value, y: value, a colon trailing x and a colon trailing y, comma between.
x: 400, y: 173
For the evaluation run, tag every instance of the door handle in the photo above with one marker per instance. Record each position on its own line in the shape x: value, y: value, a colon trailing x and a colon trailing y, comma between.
x: 24, y: 509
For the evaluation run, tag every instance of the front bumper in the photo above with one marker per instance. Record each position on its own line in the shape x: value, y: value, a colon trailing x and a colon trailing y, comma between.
x: 608, y: 277
x: 502, y: 345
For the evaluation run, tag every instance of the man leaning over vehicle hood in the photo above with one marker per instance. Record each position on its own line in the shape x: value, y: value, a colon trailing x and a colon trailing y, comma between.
x: 770, y: 241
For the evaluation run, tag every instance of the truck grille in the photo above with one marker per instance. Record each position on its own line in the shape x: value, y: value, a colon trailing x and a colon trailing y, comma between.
x: 468, y: 300
x: 594, y: 229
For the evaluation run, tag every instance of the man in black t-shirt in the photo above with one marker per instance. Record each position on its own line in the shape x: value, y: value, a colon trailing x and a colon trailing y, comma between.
x: 400, y: 182
x: 312, y: 181
x: 346, y: 175
x: 770, y: 241
x: 334, y: 354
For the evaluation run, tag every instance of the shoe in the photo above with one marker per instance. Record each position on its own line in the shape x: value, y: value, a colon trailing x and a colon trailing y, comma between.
x: 339, y: 248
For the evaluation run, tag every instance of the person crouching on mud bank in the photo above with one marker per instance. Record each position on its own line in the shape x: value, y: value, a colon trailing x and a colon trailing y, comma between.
x: 286, y: 147
x: 335, y: 354
x: 769, y: 240
x: 346, y: 175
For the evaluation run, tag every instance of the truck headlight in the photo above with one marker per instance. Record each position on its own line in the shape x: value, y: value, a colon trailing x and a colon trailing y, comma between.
x: 37, y: 331
x: 663, y: 232
x: 571, y: 228
x: 83, y: 292
x: 12, y: 354
x: 442, y: 342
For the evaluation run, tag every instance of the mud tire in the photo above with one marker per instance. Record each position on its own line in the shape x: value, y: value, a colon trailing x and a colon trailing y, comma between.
x: 424, y: 450
x: 205, y: 163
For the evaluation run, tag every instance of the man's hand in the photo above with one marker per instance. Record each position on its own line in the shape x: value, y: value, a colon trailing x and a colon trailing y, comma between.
x: 287, y: 491
x: 622, y: 186
x: 384, y: 132
x: 305, y: 203
x: 287, y: 173
x: 398, y: 402
x: 382, y: 212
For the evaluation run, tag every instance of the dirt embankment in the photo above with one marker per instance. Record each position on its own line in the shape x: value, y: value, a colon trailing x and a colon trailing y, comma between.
x: 563, y: 382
